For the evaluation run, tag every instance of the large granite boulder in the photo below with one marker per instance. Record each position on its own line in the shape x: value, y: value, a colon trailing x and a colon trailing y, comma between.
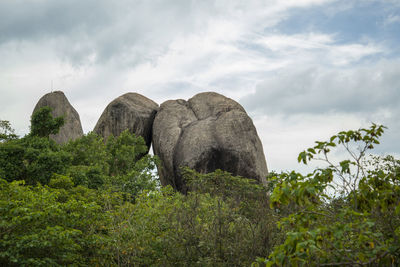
x: 205, y: 133
x: 130, y: 111
x: 72, y: 128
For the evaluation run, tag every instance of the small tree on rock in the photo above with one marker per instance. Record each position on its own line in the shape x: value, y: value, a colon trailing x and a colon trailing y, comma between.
x: 43, y: 124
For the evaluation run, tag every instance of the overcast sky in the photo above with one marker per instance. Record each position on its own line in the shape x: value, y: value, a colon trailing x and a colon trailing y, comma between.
x: 303, y: 69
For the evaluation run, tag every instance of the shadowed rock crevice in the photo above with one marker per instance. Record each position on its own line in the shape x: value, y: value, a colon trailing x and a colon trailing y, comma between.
x: 169, y: 124
x: 72, y: 128
x: 205, y: 133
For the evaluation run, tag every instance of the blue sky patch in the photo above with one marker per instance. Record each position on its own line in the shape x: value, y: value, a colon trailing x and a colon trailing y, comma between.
x: 363, y: 22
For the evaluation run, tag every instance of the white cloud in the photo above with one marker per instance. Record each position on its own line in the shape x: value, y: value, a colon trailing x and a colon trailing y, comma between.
x: 278, y: 43
x: 342, y: 55
x: 391, y: 19
x: 312, y: 47
x: 285, y: 136
x: 314, y: 88
x: 311, y: 104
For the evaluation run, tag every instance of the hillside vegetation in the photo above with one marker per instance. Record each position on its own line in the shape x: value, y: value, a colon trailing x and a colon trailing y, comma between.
x: 98, y: 202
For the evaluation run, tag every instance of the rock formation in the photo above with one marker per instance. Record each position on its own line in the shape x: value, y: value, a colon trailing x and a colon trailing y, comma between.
x: 205, y: 133
x: 72, y: 127
x: 130, y: 111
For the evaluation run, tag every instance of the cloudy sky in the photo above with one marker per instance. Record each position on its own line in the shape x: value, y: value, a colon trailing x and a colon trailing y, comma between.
x: 303, y: 69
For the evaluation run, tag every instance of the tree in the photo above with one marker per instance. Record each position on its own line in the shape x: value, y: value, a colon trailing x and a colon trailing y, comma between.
x: 119, y: 163
x: 89, y: 161
x: 222, y: 221
x: 42, y: 158
x: 125, y: 151
x: 6, y: 132
x: 132, y: 170
x: 61, y: 225
x: 346, y: 214
x: 43, y: 124
x: 12, y: 165
x: 33, y: 159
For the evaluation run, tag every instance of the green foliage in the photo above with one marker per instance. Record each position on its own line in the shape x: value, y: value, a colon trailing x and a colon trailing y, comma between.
x: 33, y: 159
x: 6, y: 132
x: 89, y: 150
x: 346, y: 214
x: 12, y: 165
x: 64, y: 224
x: 43, y: 226
x: 90, y: 176
x: 89, y: 165
x: 225, y: 222
x: 42, y: 158
x: 98, y: 203
x: 43, y: 124
x: 125, y: 150
x: 119, y: 163
x: 131, y: 169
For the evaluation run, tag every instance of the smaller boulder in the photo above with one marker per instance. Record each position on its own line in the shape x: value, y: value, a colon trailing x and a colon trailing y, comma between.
x: 72, y: 128
x: 130, y: 111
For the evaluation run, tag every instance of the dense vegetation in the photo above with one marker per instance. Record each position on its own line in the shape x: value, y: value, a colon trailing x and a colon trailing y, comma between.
x: 98, y: 202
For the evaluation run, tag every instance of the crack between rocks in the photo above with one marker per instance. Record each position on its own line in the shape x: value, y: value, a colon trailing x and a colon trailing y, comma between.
x: 191, y: 108
x: 182, y: 130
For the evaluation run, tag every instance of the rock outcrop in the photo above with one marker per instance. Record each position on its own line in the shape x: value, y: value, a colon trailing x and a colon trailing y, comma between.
x: 72, y: 128
x: 205, y: 133
x: 130, y: 111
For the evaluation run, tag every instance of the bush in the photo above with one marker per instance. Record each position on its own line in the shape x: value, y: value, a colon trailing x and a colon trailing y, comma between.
x: 44, y: 226
x: 206, y: 227
x: 347, y: 214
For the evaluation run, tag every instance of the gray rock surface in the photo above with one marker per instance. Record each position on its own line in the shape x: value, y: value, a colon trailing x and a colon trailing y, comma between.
x: 72, y: 128
x: 205, y: 133
x: 130, y: 111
